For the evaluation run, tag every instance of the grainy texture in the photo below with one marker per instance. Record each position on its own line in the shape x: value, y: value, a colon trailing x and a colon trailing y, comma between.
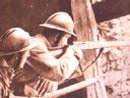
x: 28, y: 14
x: 86, y: 28
x: 116, y: 61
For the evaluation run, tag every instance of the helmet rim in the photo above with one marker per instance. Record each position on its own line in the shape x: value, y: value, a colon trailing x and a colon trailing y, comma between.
x: 46, y: 25
x: 61, y: 21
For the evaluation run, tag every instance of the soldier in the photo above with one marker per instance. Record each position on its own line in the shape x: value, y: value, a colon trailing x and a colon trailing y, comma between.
x: 38, y: 70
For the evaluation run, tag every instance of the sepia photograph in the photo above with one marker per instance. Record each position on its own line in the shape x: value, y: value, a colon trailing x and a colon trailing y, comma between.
x: 65, y: 49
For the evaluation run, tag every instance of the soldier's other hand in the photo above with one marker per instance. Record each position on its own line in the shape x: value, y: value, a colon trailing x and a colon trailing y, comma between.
x: 18, y: 74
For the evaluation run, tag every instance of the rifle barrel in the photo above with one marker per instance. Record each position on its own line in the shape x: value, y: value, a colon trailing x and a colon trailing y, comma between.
x: 103, y: 44
x: 97, y: 45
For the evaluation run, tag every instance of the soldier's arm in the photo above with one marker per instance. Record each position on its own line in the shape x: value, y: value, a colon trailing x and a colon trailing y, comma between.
x: 52, y: 68
x: 57, y: 52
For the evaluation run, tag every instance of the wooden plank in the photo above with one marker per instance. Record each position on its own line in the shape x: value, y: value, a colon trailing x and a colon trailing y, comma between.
x: 86, y: 29
x: 66, y: 90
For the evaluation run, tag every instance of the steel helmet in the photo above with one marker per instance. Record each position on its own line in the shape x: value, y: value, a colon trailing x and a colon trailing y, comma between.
x: 14, y: 39
x: 60, y: 21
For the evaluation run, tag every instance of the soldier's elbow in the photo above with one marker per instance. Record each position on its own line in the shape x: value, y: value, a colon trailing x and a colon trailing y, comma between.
x: 57, y: 74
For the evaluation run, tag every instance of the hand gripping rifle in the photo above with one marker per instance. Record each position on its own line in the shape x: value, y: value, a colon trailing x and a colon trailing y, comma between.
x: 88, y: 45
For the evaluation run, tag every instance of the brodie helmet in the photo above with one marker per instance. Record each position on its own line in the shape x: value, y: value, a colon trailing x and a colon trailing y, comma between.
x: 60, y: 21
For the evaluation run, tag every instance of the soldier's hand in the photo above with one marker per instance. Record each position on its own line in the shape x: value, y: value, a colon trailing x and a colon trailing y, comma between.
x: 68, y: 50
x: 78, y: 53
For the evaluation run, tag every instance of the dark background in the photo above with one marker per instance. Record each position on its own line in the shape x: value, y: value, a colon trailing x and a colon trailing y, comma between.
x: 110, y: 9
x: 27, y: 14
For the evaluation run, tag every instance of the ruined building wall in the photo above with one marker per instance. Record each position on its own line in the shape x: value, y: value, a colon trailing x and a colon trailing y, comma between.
x: 116, y: 61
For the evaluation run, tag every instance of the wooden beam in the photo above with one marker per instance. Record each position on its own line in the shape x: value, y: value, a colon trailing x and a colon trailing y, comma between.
x: 66, y: 90
x: 86, y: 29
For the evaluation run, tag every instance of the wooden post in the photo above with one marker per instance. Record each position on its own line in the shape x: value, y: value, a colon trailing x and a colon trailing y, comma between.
x: 86, y: 29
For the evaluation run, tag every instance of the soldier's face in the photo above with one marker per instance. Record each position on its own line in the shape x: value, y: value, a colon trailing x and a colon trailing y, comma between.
x: 53, y: 39
x: 57, y: 38
x: 64, y: 39
x: 51, y: 35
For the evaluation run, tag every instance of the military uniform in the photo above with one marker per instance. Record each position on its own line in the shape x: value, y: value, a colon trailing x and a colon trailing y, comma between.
x: 36, y: 70
x: 41, y: 72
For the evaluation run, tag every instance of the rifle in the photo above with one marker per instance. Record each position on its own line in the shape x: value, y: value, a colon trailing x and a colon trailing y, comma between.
x: 84, y: 46
x: 88, y: 45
